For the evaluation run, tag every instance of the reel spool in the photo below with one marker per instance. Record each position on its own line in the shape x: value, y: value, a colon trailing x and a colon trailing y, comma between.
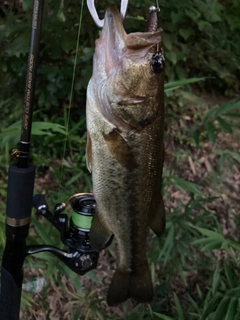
x: 80, y: 222
x: 83, y: 210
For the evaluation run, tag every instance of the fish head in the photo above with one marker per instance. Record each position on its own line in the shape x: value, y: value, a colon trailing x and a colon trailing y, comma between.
x: 128, y: 78
x: 130, y: 64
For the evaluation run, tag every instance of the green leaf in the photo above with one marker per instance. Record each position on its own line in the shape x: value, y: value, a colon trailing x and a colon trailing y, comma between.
x: 19, y: 45
x: 216, y: 111
x: 210, y: 115
x: 189, y: 186
x: 60, y: 13
x: 232, y: 309
x: 196, y: 136
x: 210, y: 233
x: 38, y: 128
x: 172, y: 56
x: 74, y: 178
x: 26, y: 300
x: 232, y: 115
x: 45, y: 128
x: 211, y: 132
x: 27, y: 4
x: 178, y: 307
x: 211, y: 306
x: 216, y: 278
x: 168, y: 245
x: 227, y: 107
x: 41, y: 231
x: 5, y: 101
x: 202, y: 24
x: 176, y: 84
x: 50, y: 72
x: 167, y: 41
x: 222, y: 309
x: 200, y: 293
x: 229, y: 274
x: 186, y: 33
x: 92, y: 275
x: 229, y: 153
x: 193, y: 13
x: 67, y: 42
x: 194, y: 303
x: 235, y: 292
x: 211, y: 13
x: 235, y: 245
x: 212, y: 245
x: 224, y: 125
x: 202, y: 241
x: 162, y: 316
x: 75, y: 314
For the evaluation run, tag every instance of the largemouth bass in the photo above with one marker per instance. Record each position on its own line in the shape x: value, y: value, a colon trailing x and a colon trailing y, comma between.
x: 125, y: 123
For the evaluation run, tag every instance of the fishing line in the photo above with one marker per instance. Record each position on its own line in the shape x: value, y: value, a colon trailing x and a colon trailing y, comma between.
x: 70, y: 98
x: 157, y: 6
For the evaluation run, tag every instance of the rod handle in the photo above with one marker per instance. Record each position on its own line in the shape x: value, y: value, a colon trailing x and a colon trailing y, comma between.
x: 20, y: 192
x: 10, y: 297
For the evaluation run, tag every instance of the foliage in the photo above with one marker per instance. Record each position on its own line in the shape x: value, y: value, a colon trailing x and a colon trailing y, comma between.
x: 199, y: 35
x: 202, y: 46
x: 216, y: 119
x: 200, y: 38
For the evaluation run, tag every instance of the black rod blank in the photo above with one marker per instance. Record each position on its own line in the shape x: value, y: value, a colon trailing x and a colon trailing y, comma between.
x: 30, y: 83
x: 20, y: 190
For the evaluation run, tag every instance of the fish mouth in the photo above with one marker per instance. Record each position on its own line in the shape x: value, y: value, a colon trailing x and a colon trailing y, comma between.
x: 118, y: 38
x: 113, y: 36
x: 113, y: 23
x: 119, y: 43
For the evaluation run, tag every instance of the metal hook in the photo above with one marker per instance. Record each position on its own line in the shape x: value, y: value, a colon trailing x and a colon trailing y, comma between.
x: 155, y: 8
x: 94, y: 14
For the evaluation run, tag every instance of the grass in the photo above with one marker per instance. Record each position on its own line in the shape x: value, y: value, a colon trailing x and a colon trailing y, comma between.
x: 194, y: 265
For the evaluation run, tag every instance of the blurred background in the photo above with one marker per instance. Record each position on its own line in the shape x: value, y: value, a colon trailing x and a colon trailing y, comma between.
x: 195, y: 266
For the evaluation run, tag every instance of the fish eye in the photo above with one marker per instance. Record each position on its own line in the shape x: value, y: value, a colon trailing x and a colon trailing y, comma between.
x: 157, y: 63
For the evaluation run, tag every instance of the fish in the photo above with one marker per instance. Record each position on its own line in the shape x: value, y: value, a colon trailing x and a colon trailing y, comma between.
x: 124, y: 150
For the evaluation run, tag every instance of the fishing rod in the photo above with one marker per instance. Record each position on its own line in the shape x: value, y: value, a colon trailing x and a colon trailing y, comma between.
x: 74, y: 234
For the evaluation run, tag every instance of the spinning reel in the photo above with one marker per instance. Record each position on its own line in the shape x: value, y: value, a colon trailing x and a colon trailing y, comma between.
x: 74, y: 232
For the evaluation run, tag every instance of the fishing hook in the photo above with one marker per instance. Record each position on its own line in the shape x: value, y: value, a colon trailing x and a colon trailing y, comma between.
x: 94, y: 14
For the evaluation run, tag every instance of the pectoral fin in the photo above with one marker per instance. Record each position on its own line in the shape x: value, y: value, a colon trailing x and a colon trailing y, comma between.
x: 120, y: 150
x: 157, y: 216
x: 88, y: 153
x: 99, y: 233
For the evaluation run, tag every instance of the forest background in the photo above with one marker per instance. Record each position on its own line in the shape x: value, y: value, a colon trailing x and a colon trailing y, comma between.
x: 195, y: 266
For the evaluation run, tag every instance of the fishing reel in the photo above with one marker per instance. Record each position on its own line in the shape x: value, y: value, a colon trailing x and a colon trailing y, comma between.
x: 74, y: 232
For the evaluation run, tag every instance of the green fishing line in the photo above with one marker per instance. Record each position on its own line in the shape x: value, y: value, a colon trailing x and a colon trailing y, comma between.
x: 82, y: 221
x: 71, y: 96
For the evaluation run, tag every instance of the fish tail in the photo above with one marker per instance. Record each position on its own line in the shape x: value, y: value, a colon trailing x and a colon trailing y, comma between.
x: 119, y: 288
x: 131, y: 284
